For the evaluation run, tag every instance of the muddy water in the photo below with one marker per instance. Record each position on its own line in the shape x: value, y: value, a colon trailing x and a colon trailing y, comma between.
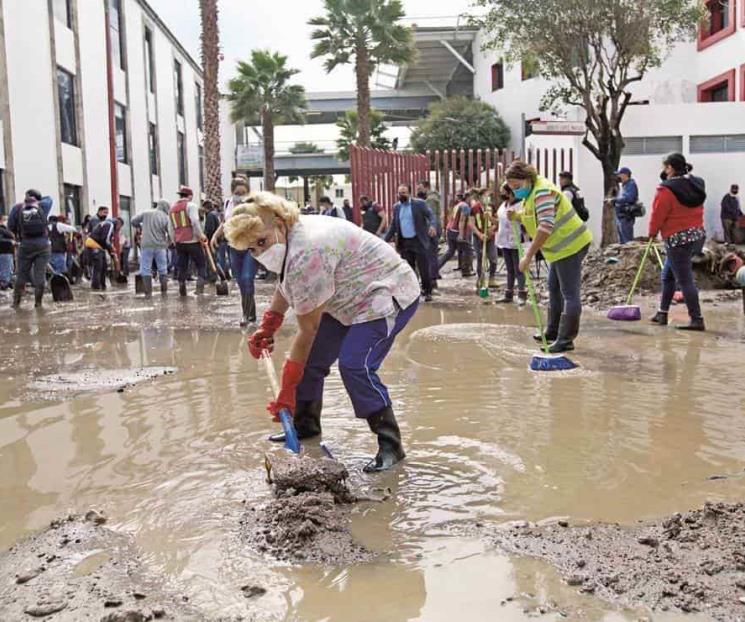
x: 635, y: 432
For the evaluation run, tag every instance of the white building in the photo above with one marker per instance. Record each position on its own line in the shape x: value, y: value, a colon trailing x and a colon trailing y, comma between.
x: 57, y: 109
x: 694, y: 103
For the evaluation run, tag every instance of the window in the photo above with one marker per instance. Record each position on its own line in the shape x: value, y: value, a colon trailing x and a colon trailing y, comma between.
x: 723, y: 143
x: 528, y: 67
x: 339, y: 193
x: 72, y: 204
x: 179, y: 85
x: 201, y: 168
x: 116, y: 32
x: 63, y: 11
x: 125, y: 213
x: 497, y: 76
x: 120, y: 123
x: 652, y: 145
x: 66, y: 97
x: 181, y: 146
x: 152, y: 145
x: 721, y: 88
x: 718, y: 22
x: 198, y: 102
x: 149, y: 60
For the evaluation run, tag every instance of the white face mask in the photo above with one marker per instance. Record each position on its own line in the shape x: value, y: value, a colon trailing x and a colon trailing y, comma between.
x: 274, y: 256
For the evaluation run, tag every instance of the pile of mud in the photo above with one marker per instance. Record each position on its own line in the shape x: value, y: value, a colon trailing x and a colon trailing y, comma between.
x: 608, y: 273
x: 692, y: 562
x: 79, y: 570
x: 308, y: 518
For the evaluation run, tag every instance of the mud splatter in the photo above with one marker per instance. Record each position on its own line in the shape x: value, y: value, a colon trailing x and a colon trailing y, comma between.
x: 690, y: 562
x: 308, y: 520
x: 51, y: 573
x: 73, y: 383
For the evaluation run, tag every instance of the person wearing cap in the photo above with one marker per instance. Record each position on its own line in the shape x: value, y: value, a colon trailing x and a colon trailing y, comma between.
x: 626, y: 199
x: 186, y: 231
x: 731, y: 213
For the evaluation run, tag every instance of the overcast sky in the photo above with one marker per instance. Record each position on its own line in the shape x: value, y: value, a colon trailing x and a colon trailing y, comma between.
x: 281, y: 25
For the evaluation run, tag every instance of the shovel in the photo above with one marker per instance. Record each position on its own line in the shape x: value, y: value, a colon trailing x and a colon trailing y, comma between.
x: 629, y: 312
x: 221, y: 287
x: 61, y: 290
x: 291, y: 440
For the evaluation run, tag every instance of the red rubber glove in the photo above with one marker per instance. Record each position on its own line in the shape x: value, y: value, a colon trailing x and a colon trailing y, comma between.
x: 263, y: 338
x: 292, y: 374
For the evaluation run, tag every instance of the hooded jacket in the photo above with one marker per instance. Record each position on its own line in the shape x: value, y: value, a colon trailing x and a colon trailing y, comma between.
x: 678, y: 205
x: 154, y: 225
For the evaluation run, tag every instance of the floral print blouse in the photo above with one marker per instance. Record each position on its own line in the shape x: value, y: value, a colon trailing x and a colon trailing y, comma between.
x: 357, y: 275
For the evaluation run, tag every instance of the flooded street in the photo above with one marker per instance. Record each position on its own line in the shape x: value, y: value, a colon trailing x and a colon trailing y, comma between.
x: 170, y: 443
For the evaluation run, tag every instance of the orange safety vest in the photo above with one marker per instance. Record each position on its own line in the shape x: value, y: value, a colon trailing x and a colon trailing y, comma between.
x: 183, y: 231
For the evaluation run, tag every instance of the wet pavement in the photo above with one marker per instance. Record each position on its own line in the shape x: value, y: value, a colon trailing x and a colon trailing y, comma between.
x: 173, y: 459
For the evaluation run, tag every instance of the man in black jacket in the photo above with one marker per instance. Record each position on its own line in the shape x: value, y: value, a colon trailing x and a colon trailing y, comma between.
x: 731, y: 213
x: 28, y: 222
x: 413, y: 227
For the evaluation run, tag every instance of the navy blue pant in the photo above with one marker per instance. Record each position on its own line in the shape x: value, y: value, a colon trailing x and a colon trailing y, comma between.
x: 244, y: 268
x: 360, y: 349
x: 625, y: 226
x: 678, y: 272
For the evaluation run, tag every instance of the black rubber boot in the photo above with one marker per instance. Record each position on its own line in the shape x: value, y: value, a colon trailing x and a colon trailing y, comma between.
x: 660, y: 318
x: 199, y: 290
x: 522, y: 297
x: 551, y: 335
x: 38, y: 296
x: 390, y: 451
x: 507, y: 297
x: 307, y: 421
x: 164, y: 284
x: 248, y: 303
x: 696, y: 324
x: 17, y: 295
x: 147, y: 286
x: 182, y: 288
x: 568, y: 331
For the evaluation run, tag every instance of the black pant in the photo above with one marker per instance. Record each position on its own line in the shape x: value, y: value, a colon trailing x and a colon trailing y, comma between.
x: 98, y: 268
x: 418, y: 258
x: 32, y: 266
x: 193, y: 251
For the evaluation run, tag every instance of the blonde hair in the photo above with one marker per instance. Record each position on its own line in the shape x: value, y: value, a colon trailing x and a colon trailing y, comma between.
x: 254, y: 215
x: 522, y: 171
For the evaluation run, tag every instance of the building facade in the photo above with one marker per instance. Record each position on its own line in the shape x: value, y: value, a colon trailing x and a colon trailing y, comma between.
x: 102, y: 106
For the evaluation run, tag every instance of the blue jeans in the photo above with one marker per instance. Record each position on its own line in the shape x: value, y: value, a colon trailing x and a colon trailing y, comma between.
x: 564, y: 280
x: 148, y: 255
x: 58, y: 261
x: 625, y: 226
x: 244, y: 268
x: 222, y: 258
x: 361, y: 349
x: 6, y: 268
x: 679, y: 270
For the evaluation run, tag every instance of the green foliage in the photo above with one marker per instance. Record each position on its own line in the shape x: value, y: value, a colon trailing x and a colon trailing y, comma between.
x: 348, y: 132
x: 263, y: 83
x: 460, y: 123
x: 351, y: 25
x: 305, y: 147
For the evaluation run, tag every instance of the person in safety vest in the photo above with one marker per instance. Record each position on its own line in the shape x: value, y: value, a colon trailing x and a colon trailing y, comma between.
x: 558, y: 232
x: 352, y: 294
x: 186, y: 232
x: 102, y: 240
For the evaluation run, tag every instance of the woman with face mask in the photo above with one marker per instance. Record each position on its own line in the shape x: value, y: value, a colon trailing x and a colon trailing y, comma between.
x: 563, y: 239
x: 352, y: 294
x: 678, y: 216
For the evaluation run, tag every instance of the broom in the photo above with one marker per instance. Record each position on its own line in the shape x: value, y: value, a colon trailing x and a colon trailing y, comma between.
x: 629, y: 312
x: 291, y: 440
x: 542, y: 361
x: 483, y: 281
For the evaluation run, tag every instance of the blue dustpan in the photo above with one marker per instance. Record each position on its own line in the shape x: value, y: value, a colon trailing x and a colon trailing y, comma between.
x: 551, y: 362
x: 291, y: 440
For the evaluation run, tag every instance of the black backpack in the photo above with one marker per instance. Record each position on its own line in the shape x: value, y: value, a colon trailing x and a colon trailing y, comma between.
x: 33, y: 221
x: 578, y: 203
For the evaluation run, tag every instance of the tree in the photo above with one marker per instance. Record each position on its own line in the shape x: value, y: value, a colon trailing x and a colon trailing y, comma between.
x: 369, y: 32
x: 261, y: 93
x: 593, y: 51
x: 349, y: 135
x: 460, y: 123
x: 211, y: 94
x: 305, y: 147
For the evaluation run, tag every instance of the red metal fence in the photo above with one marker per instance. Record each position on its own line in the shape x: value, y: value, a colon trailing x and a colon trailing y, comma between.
x: 378, y: 174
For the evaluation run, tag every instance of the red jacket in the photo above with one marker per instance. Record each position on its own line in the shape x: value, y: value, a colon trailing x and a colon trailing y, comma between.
x: 669, y: 215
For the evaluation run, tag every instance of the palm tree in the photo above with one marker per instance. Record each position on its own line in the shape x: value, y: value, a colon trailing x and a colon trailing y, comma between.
x: 348, y: 131
x: 211, y: 94
x: 261, y: 94
x: 369, y: 32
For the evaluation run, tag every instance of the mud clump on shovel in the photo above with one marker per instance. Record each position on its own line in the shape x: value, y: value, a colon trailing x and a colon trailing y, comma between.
x: 308, y: 519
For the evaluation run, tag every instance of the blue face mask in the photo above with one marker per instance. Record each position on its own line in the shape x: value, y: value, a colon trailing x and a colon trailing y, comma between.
x: 522, y: 193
